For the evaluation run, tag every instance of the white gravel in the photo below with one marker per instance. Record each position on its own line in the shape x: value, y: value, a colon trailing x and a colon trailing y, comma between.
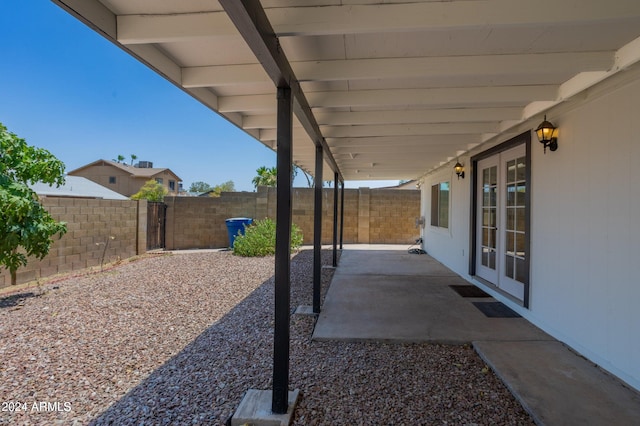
x: 178, y: 339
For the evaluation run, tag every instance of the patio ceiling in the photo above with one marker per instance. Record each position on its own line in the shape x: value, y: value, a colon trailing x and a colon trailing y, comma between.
x: 397, y: 88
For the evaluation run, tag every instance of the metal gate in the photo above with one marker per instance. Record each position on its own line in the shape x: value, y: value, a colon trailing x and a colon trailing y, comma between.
x: 156, y: 220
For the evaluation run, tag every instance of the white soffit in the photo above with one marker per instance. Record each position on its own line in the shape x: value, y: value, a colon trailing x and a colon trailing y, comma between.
x: 397, y: 87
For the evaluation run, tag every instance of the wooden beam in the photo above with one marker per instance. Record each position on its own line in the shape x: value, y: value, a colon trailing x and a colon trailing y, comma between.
x: 454, y: 66
x: 441, y: 97
x: 398, y: 68
x: 408, y: 129
x: 451, y: 115
x: 143, y: 29
x: 376, y: 18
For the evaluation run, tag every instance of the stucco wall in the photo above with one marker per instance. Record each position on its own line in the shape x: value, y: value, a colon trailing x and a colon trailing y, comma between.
x: 370, y: 215
x: 584, y: 228
x: 90, y: 223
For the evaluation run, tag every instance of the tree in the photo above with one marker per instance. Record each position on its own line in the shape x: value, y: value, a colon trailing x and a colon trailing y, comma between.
x: 200, y: 187
x: 119, y: 159
x: 133, y: 158
x: 151, y: 191
x: 227, y: 186
x: 307, y: 176
x: 266, y: 177
x: 26, y: 228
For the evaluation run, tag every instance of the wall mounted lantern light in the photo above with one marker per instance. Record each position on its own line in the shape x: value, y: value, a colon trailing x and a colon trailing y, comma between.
x: 459, y: 168
x: 547, y: 135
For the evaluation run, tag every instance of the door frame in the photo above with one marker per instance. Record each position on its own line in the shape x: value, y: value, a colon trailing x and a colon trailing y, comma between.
x: 524, y: 138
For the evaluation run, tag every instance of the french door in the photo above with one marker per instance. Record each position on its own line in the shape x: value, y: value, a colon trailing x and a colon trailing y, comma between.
x: 501, y: 221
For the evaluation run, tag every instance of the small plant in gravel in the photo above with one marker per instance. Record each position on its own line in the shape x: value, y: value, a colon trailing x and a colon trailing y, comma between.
x: 259, y: 239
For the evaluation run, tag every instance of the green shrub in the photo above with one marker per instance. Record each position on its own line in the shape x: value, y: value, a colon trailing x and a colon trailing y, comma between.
x: 259, y: 239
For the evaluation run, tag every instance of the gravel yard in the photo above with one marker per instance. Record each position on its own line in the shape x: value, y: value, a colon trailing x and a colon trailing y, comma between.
x: 178, y: 339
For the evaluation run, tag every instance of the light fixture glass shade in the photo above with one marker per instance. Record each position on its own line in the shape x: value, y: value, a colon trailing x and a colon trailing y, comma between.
x: 458, y: 168
x: 546, y: 131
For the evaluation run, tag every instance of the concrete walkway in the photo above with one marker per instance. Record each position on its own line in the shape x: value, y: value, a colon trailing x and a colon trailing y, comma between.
x: 382, y: 293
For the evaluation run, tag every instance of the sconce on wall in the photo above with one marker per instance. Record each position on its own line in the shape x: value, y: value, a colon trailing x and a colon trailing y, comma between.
x: 547, y: 135
x: 459, y: 168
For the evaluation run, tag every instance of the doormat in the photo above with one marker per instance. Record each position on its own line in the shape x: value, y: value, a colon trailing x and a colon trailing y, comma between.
x: 469, y: 291
x: 496, y: 310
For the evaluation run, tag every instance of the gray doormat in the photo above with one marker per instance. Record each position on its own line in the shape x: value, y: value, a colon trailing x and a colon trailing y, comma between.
x: 469, y: 291
x: 496, y: 310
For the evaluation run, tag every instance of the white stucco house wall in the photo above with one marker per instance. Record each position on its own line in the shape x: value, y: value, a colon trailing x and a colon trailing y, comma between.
x: 584, y: 225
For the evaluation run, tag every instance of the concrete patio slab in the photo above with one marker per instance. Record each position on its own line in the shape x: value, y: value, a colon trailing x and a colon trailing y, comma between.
x: 390, y: 295
x: 383, y: 293
x: 557, y: 387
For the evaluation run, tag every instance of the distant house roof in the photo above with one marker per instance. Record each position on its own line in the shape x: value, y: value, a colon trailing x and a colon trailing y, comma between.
x: 142, y: 172
x: 77, y: 187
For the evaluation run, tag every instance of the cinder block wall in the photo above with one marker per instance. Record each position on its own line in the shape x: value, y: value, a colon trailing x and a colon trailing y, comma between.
x: 392, y: 216
x: 90, y: 223
x: 373, y: 216
x: 199, y: 222
x: 370, y: 216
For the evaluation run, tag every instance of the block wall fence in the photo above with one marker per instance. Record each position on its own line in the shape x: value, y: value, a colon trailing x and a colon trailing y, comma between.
x: 90, y: 224
x: 382, y: 216
x: 375, y: 216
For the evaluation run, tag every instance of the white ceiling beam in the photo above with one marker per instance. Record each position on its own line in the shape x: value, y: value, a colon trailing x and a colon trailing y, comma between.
x: 439, y: 97
x: 453, y: 66
x: 361, y: 69
x: 250, y: 103
x: 406, y: 129
x: 388, y: 152
x: 423, y: 140
x: 268, y: 121
x: 143, y: 29
x: 580, y: 82
x: 628, y: 55
x: 272, y: 134
x: 376, y: 18
x: 353, y: 19
x: 223, y: 75
x: 451, y: 115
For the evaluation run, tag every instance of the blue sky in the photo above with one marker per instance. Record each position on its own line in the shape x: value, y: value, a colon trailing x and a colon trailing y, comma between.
x: 65, y: 88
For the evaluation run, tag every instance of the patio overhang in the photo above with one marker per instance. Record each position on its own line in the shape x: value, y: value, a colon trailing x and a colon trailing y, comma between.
x: 393, y: 90
x: 369, y: 89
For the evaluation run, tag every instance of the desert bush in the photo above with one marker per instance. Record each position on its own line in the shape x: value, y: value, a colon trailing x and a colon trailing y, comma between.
x: 259, y: 239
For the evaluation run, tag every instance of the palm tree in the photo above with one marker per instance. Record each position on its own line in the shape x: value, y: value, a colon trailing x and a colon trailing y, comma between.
x: 133, y: 158
x: 266, y: 177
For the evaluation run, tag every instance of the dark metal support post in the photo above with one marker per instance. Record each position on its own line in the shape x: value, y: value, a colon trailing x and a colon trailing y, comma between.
x: 279, y: 403
x: 335, y: 220
x: 341, y: 213
x: 317, y: 231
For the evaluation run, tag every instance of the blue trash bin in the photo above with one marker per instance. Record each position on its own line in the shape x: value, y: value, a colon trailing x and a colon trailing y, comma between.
x: 235, y: 225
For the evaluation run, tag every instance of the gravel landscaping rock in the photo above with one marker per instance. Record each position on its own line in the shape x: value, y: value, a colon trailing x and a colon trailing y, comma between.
x: 178, y: 339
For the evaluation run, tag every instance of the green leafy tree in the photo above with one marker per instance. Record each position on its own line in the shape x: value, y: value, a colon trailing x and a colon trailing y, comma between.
x: 227, y: 186
x: 265, y: 177
x: 200, y: 187
x: 26, y: 228
x: 151, y: 191
x: 133, y: 158
x: 119, y: 159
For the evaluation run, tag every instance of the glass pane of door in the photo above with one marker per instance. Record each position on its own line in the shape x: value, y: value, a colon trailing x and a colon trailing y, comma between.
x: 515, y: 187
x: 489, y: 216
